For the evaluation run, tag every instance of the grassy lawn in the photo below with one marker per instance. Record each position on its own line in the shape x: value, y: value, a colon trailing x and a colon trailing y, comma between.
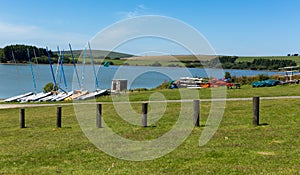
x: 245, y: 92
x: 236, y: 148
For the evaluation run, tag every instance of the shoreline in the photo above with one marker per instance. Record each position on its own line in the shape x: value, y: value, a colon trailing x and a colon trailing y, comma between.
x: 119, y: 65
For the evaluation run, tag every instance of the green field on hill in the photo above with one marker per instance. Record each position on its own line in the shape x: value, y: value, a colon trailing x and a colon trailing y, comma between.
x: 250, y: 59
x: 243, y: 62
x: 236, y: 148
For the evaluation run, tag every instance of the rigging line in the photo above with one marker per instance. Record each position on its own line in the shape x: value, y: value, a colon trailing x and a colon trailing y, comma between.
x: 37, y: 63
x: 95, y: 75
x: 58, y: 63
x: 32, y: 74
x: 36, y: 60
x: 17, y: 69
x: 60, y: 72
x: 83, y: 67
x: 51, y: 68
x: 73, y: 60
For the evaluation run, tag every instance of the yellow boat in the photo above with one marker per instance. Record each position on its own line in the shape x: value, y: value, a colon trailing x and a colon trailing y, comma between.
x: 76, y: 95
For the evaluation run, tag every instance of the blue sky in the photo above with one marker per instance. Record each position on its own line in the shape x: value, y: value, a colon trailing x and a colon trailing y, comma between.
x: 232, y: 27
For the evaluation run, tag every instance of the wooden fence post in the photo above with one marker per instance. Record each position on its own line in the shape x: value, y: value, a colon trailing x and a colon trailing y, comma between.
x: 58, y: 117
x: 197, y: 113
x: 99, y: 116
x: 255, y: 118
x: 144, y: 114
x: 22, y: 118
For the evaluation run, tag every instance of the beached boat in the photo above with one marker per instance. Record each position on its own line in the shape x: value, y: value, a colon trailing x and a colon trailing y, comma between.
x: 76, y: 95
x: 97, y: 92
x: 93, y: 94
x: 65, y: 94
x: 62, y: 96
x: 48, y: 98
x: 34, y: 97
x: 16, y: 98
x: 189, y: 82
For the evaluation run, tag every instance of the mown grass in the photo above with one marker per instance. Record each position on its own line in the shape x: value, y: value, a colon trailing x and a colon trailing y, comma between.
x: 244, y: 92
x: 236, y: 148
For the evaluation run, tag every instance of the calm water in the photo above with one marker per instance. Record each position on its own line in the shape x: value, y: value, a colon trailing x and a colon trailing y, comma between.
x: 17, y: 79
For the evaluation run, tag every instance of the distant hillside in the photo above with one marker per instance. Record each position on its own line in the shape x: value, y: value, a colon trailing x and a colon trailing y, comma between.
x: 174, y: 57
x: 169, y: 60
x: 100, y: 54
x: 227, y: 62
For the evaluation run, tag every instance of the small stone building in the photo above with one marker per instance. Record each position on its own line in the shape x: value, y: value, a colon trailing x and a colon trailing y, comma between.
x: 119, y: 85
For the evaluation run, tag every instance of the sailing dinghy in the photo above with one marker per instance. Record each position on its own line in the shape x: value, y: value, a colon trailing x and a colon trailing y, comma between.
x: 16, y: 98
x: 93, y: 94
x: 97, y: 92
x: 35, y: 96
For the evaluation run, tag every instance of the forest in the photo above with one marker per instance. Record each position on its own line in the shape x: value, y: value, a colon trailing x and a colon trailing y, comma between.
x: 18, y: 53
x: 228, y: 62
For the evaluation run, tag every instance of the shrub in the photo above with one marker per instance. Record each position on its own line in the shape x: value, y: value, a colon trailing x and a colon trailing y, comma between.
x: 156, y: 64
x: 262, y: 77
x: 164, y: 85
x: 49, y: 87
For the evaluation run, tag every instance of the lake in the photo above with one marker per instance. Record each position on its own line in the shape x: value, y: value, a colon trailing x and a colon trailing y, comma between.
x: 17, y: 79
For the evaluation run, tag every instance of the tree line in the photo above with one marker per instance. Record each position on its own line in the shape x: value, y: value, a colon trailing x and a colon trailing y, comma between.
x: 228, y: 62
x: 18, y: 53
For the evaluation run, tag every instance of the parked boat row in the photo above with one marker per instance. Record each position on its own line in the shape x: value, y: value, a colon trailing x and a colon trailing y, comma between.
x: 53, y: 96
x: 58, y: 93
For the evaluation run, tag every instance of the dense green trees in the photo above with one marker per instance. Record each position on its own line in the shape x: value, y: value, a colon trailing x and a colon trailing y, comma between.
x: 19, y: 53
x: 267, y: 64
x: 2, y: 56
x: 257, y: 64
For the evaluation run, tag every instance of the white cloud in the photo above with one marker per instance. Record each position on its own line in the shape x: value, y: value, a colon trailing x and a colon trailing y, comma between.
x: 29, y: 34
x: 7, y: 29
x: 138, y: 11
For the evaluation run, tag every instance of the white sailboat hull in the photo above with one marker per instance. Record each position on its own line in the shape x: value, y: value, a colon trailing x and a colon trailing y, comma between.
x: 76, y: 95
x: 35, y: 97
x: 16, y: 98
x: 92, y: 95
x: 62, y: 96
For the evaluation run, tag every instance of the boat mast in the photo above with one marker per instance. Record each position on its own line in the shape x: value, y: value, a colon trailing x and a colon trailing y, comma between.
x: 74, y: 64
x: 96, y: 79
x: 51, y: 68
x: 62, y: 70
x: 58, y: 63
x: 17, y: 67
x: 32, y: 74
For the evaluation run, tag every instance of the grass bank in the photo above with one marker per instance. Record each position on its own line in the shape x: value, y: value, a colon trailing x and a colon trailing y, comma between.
x: 246, y: 91
x: 236, y: 148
